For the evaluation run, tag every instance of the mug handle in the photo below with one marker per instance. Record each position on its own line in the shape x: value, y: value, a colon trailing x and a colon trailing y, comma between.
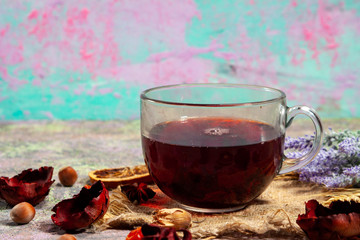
x: 317, y: 144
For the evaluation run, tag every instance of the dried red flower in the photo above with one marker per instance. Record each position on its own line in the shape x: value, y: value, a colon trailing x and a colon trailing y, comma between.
x: 83, y: 209
x: 139, y: 193
x: 155, y: 232
x: 30, y: 186
x: 340, y: 221
x: 135, y: 234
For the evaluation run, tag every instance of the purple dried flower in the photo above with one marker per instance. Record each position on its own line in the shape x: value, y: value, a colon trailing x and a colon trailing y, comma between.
x: 350, y: 146
x: 352, y: 171
x: 336, y: 165
x: 301, y: 143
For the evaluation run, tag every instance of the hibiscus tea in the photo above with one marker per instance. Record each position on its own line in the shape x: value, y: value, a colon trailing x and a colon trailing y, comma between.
x: 213, y: 163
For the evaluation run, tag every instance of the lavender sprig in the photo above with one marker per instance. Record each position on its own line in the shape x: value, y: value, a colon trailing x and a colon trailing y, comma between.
x: 300, y: 143
x: 336, y: 165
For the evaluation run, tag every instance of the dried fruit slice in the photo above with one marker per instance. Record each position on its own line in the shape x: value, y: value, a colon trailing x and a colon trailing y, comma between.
x: 112, y: 177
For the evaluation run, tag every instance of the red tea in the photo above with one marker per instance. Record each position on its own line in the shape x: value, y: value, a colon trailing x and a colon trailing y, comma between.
x: 213, y: 162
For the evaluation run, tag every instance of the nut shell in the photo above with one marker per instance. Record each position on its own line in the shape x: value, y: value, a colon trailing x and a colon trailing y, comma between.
x: 22, y: 213
x: 173, y: 217
x: 67, y: 237
x: 67, y: 176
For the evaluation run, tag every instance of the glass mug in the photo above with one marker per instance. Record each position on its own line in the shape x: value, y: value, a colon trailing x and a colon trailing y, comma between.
x: 216, y: 147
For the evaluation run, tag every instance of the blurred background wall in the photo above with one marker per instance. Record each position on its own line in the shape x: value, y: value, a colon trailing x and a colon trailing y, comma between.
x: 90, y: 59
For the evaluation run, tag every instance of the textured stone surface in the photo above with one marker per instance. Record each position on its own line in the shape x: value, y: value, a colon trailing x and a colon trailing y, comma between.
x: 86, y: 146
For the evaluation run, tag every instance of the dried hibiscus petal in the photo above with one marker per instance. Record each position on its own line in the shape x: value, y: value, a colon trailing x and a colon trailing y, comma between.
x: 340, y: 221
x: 138, y: 193
x: 83, y: 209
x: 30, y: 186
x: 154, y: 232
x: 135, y: 234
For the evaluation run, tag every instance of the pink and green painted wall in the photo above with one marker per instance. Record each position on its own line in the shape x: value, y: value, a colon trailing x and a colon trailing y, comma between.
x: 90, y: 59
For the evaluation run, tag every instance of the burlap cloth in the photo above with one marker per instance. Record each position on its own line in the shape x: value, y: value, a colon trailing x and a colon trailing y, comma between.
x: 273, y: 214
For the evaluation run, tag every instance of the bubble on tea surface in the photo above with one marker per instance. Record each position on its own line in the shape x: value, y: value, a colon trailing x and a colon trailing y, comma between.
x: 216, y: 131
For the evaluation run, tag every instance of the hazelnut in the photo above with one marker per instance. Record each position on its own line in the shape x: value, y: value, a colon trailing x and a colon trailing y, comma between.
x: 67, y: 176
x: 67, y: 237
x: 22, y: 213
x: 173, y: 217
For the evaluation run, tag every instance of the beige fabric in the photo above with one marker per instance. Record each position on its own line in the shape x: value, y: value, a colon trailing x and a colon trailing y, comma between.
x: 273, y: 214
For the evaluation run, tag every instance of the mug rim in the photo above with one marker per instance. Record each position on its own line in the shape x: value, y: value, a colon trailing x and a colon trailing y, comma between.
x: 281, y: 96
